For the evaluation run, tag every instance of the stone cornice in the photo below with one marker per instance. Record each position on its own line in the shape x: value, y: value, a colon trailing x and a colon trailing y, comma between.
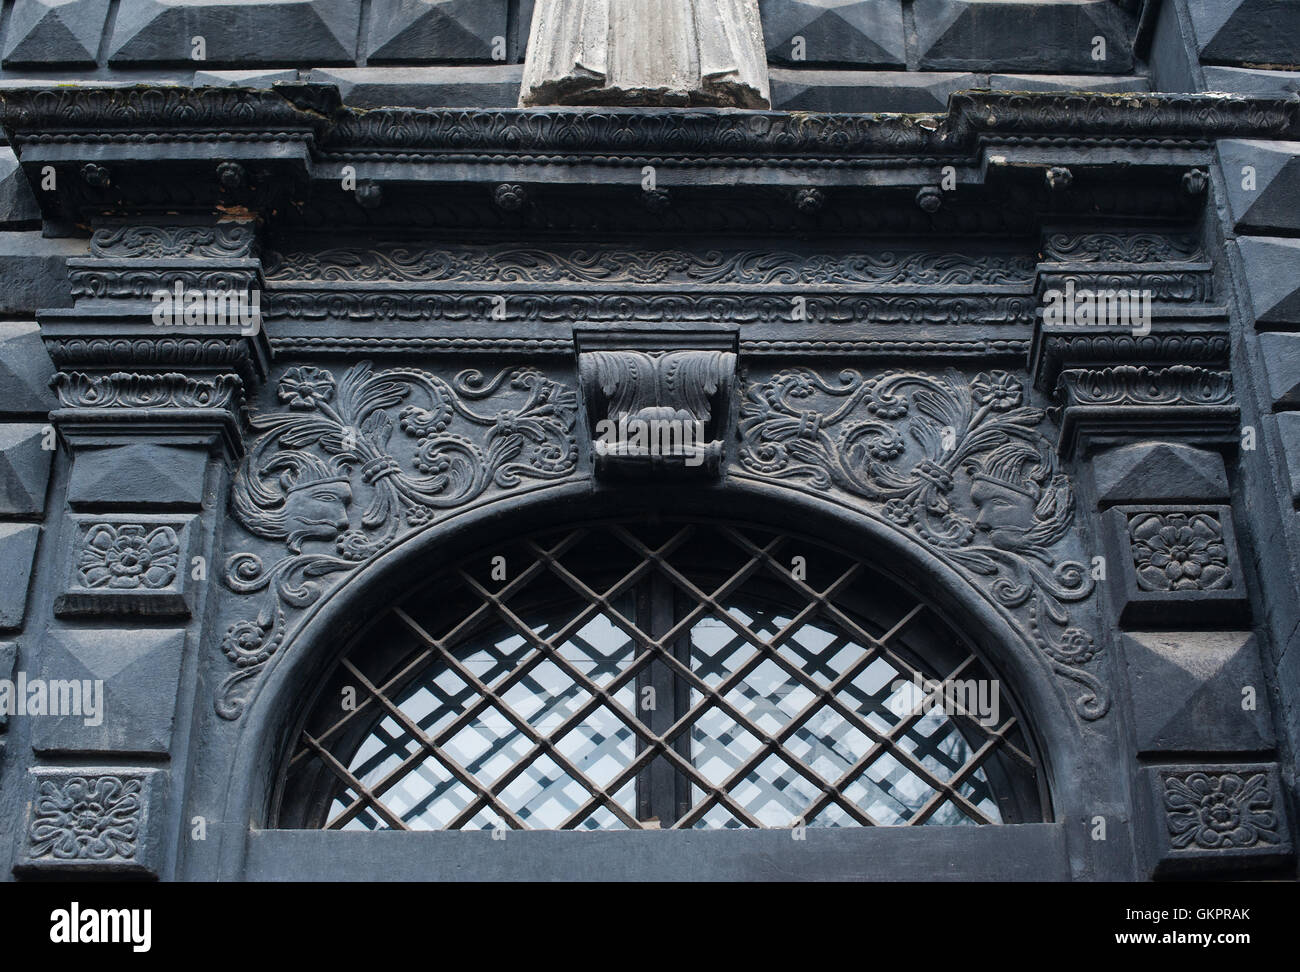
x: 106, y: 113
x: 150, y: 112
x: 145, y: 149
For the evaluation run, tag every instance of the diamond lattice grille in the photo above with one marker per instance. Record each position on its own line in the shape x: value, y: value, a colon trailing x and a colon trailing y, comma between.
x: 681, y: 675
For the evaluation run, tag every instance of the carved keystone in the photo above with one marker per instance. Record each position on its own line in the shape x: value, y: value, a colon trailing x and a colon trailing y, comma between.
x: 657, y: 413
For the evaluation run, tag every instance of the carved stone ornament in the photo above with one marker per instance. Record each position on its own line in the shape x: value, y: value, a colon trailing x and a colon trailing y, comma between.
x: 138, y: 565
x: 1128, y: 385
x: 101, y: 821
x: 1179, y: 552
x: 408, y: 444
x: 86, y: 818
x: 229, y: 240
x: 958, y: 464
x: 657, y: 413
x: 126, y: 390
x: 1220, y: 810
x: 650, y: 52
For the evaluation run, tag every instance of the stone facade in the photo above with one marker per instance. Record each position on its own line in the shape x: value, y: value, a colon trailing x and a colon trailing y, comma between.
x: 855, y: 293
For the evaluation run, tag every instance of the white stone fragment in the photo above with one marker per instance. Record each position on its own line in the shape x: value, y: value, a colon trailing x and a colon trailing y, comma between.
x: 646, y: 52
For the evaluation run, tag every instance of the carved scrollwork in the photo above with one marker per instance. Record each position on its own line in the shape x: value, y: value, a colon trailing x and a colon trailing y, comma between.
x: 220, y: 241
x: 1140, y: 385
x: 759, y: 307
x: 619, y: 265
x: 126, y: 390
x: 958, y: 464
x: 1124, y: 247
x: 413, y: 443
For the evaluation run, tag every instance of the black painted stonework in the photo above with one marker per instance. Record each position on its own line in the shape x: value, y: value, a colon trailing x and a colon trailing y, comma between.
x: 846, y: 292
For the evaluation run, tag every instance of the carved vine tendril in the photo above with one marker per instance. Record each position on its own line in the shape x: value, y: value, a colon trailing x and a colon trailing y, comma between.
x: 928, y: 450
x: 414, y: 442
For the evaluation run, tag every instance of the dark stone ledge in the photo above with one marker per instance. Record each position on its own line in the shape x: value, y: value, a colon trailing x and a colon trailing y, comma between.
x: 100, y: 113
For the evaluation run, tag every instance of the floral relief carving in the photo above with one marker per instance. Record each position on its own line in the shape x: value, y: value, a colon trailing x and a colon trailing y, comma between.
x: 128, y: 556
x: 86, y: 818
x: 625, y: 266
x: 1123, y: 247
x: 406, y: 443
x: 957, y: 463
x: 222, y: 240
x: 1179, y: 552
x: 1130, y: 385
x: 1220, y: 810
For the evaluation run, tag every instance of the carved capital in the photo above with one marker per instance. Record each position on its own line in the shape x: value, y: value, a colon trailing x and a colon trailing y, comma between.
x: 131, y: 408
x: 1183, y: 402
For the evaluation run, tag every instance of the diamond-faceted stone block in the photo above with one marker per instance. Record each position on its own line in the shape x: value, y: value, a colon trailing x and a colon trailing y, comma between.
x: 132, y: 678
x: 1247, y: 31
x: 1197, y: 691
x: 1263, y: 180
x: 17, y: 552
x: 1055, y: 36
x: 24, y: 468
x: 237, y: 33
x: 833, y: 32
x: 1273, y: 274
x: 25, y: 370
x: 436, y: 30
x: 65, y: 32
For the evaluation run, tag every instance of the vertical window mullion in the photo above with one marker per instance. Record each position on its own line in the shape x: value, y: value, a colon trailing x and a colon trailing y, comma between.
x: 662, y: 792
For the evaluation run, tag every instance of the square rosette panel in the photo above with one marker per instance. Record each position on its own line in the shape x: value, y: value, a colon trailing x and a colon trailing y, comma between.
x: 129, y: 565
x: 1175, y: 565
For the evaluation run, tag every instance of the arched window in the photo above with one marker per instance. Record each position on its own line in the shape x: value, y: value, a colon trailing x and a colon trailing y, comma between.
x: 682, y: 674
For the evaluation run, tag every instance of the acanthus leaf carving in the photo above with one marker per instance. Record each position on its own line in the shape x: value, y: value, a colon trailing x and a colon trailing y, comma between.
x: 123, y: 389
x: 1141, y: 385
x: 676, y: 401
x: 335, y: 438
x: 926, y: 452
x: 129, y: 390
x: 133, y: 241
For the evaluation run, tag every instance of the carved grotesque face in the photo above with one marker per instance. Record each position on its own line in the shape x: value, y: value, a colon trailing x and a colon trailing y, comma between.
x: 318, y: 511
x: 1005, y: 514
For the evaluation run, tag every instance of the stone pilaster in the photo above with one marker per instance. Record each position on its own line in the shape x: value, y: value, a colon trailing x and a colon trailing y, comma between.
x: 154, y: 360
x: 1147, y: 409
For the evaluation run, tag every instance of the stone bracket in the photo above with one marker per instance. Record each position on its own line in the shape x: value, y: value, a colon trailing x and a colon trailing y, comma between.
x: 657, y: 413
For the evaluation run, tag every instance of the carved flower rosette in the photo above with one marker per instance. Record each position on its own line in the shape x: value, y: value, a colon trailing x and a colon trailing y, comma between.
x: 404, y: 446
x: 957, y: 463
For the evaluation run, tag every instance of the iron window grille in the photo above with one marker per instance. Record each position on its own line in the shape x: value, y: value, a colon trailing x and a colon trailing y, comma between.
x: 655, y: 675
